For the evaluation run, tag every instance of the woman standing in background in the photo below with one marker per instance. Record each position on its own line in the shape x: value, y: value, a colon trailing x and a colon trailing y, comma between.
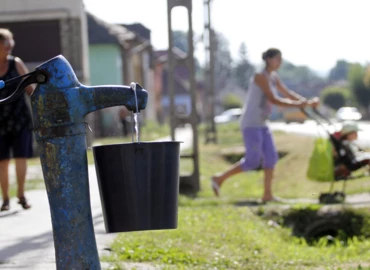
x: 15, y: 124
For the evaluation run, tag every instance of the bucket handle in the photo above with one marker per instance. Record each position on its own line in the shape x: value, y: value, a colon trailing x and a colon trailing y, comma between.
x: 133, y: 120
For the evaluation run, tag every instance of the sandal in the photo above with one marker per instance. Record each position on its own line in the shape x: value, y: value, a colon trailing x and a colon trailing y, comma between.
x: 215, y: 187
x: 5, y: 206
x: 22, y: 201
x: 273, y: 200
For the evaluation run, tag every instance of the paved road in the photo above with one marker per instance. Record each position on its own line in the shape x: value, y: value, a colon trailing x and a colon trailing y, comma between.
x: 26, y: 240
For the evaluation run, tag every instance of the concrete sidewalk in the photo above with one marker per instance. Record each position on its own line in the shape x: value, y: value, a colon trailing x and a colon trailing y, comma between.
x: 26, y: 238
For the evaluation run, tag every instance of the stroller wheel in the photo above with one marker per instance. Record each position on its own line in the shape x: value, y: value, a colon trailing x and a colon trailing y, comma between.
x: 324, y: 198
x: 332, y: 198
x: 340, y: 196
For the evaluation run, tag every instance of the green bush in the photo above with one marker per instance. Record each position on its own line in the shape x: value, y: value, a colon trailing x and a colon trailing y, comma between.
x: 336, y: 97
x: 231, y: 101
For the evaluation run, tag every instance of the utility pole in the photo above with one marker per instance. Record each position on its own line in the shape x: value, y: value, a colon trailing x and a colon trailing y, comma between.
x: 189, y: 184
x: 209, y: 40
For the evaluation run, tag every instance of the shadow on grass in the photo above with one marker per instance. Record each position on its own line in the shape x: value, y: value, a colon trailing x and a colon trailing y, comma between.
x: 249, y: 202
x: 234, y: 154
x: 186, y: 201
x: 219, y: 202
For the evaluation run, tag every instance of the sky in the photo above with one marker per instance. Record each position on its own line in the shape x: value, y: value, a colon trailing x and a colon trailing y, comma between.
x: 315, y: 33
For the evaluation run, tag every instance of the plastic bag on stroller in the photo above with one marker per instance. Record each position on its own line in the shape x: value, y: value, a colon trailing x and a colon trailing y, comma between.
x: 321, y: 162
x: 333, y: 155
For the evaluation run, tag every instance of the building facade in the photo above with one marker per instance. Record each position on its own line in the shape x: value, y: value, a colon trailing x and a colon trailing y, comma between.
x: 44, y: 29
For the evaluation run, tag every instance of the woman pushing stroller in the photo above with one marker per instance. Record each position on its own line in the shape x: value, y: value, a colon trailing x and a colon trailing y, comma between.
x: 263, y: 92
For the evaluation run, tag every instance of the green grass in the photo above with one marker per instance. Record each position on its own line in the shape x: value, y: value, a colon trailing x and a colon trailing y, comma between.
x: 213, y: 233
x: 33, y: 184
x: 290, y: 176
x: 227, y: 237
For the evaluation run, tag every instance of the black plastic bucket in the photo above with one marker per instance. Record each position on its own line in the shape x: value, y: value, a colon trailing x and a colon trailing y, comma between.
x: 139, y: 185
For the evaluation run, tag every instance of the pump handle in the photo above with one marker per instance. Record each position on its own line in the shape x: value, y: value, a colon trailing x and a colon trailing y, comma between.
x: 30, y: 78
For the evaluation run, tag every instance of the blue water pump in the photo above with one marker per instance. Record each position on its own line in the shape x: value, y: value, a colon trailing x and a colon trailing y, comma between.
x: 59, y: 104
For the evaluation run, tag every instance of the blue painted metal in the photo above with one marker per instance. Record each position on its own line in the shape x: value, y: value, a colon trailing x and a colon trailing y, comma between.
x: 59, y: 106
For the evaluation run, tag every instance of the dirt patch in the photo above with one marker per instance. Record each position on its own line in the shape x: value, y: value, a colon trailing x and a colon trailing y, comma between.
x: 234, y: 154
x: 314, y: 222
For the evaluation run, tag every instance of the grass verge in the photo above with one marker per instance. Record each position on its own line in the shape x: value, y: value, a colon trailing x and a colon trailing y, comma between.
x: 228, y: 237
x: 214, y: 233
x: 30, y: 184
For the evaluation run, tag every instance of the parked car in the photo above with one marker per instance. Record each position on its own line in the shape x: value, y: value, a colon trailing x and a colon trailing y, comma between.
x: 293, y: 115
x: 348, y: 113
x: 228, y: 116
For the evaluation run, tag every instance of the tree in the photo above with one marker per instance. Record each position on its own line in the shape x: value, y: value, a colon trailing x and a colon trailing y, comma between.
x: 367, y: 77
x: 361, y: 92
x: 336, y: 97
x: 243, y: 69
x: 222, y: 60
x: 340, y: 71
x: 297, y: 74
x: 231, y: 101
x: 301, y: 79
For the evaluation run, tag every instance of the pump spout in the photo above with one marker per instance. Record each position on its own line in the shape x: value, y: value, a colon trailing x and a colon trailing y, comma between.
x: 111, y: 95
x: 61, y: 100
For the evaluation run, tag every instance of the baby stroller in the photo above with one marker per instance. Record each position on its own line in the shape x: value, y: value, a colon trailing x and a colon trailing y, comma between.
x: 340, y: 157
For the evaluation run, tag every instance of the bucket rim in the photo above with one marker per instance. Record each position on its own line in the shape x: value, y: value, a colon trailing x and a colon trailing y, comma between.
x: 136, y: 143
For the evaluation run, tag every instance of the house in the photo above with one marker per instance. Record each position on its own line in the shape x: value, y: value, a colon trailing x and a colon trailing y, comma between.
x: 106, y: 49
x: 140, y: 64
x: 44, y: 29
x: 182, y: 97
x: 100, y: 53
x: 117, y: 56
